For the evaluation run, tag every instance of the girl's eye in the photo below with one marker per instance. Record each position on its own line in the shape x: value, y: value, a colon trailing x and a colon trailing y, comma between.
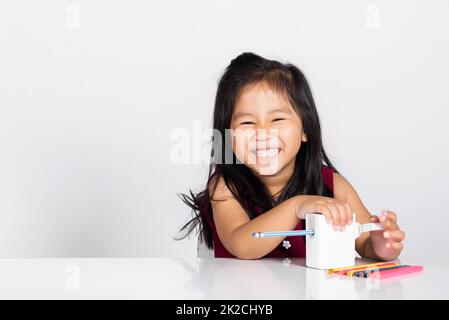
x: 278, y: 119
x: 247, y: 122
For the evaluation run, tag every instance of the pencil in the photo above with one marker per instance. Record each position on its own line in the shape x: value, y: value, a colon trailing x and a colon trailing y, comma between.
x: 367, y: 272
x: 334, y: 270
x: 290, y: 233
x: 353, y: 271
x: 397, y: 272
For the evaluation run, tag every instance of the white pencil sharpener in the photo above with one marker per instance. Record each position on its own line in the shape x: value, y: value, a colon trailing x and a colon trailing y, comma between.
x: 327, y: 248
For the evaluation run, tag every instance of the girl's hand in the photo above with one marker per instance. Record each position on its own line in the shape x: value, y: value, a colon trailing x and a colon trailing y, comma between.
x: 387, y: 244
x: 338, y: 213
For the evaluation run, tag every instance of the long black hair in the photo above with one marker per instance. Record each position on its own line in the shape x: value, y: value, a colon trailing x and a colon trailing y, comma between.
x: 247, y: 69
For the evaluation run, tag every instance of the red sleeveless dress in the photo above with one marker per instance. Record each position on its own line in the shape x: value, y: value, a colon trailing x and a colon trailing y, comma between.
x: 297, y: 247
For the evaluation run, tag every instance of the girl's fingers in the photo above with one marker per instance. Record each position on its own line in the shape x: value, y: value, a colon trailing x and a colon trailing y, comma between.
x: 390, y: 214
x: 335, y: 216
x: 339, y: 214
x: 387, y: 223
x: 397, y: 235
x: 326, y: 213
x: 330, y: 215
x: 343, y: 216
x: 349, y: 213
x: 392, y: 233
x: 394, y: 245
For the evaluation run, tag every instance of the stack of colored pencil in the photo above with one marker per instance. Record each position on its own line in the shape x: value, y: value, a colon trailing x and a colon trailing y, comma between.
x: 377, y: 270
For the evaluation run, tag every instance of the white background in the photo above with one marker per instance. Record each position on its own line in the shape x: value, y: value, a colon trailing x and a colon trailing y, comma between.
x: 90, y: 92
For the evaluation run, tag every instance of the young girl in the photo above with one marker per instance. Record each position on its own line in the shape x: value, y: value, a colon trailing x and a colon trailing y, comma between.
x: 279, y: 170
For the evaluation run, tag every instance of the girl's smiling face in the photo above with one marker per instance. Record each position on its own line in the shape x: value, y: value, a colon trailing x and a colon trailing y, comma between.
x: 267, y: 131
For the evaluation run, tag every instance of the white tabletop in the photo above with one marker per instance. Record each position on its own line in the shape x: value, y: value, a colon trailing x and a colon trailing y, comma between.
x: 202, y: 278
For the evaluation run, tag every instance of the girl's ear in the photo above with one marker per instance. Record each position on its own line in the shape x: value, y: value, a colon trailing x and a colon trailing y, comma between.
x: 303, y: 137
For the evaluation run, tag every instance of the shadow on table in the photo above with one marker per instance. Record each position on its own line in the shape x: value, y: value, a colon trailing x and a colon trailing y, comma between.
x: 222, y: 278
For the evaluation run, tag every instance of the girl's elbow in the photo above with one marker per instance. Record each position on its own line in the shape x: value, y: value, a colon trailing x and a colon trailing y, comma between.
x: 244, y: 253
x: 248, y: 257
x: 241, y: 248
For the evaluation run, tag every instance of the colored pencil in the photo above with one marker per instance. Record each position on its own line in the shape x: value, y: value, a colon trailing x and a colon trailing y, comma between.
x: 334, y: 270
x: 365, y: 273
x: 378, y: 267
x: 393, y: 273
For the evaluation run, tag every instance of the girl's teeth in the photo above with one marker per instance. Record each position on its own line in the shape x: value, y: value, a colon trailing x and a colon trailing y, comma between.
x: 267, y: 153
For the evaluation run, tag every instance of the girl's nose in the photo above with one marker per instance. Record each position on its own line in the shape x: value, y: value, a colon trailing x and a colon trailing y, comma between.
x: 266, y: 136
x: 265, y: 133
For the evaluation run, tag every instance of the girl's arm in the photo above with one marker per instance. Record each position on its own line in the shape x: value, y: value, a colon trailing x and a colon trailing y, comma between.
x: 235, y: 229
